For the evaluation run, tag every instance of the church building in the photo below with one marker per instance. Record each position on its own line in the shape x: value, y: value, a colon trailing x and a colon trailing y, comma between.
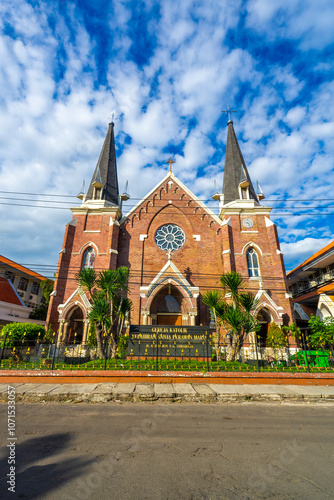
x: 175, y: 247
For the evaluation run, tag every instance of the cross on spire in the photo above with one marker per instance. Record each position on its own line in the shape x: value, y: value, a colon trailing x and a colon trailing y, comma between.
x: 113, y: 116
x: 170, y: 161
x: 229, y: 111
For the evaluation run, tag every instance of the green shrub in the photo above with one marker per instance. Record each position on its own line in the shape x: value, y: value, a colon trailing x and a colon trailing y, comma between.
x: 91, y: 340
x: 123, y: 346
x: 18, y: 333
x: 49, y: 336
x: 276, y: 338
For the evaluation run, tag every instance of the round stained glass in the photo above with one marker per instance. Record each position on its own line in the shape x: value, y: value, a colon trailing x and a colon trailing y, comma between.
x: 170, y: 237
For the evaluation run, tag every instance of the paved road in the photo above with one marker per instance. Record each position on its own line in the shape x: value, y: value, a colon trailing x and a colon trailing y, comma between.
x: 172, y: 451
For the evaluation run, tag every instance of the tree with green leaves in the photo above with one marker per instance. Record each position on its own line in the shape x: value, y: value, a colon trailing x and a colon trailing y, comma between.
x: 276, y: 337
x: 107, y: 292
x: 236, y: 315
x: 322, y: 332
x: 42, y: 310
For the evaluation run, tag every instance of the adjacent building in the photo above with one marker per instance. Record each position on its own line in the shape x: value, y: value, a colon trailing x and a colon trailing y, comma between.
x: 20, y: 292
x: 311, y: 285
x: 175, y: 246
x: 25, y: 282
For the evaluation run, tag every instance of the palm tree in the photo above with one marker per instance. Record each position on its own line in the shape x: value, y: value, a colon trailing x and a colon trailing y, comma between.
x: 231, y: 283
x: 213, y: 299
x: 86, y: 279
x: 237, y: 317
x: 100, y: 317
x: 110, y: 304
x: 114, y: 284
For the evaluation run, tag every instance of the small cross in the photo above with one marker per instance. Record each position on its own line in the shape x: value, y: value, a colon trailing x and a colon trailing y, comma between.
x: 113, y: 116
x: 229, y: 111
x: 170, y: 161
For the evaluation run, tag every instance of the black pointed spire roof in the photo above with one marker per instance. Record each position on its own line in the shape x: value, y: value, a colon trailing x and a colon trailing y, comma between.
x: 235, y: 171
x: 105, y: 174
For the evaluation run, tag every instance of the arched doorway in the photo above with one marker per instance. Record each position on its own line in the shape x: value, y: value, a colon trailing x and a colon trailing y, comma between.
x: 75, y: 326
x: 264, y: 319
x: 167, y: 306
x: 169, y: 311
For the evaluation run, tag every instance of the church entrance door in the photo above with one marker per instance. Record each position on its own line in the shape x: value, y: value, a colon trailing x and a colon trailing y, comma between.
x: 75, y: 326
x: 169, y: 319
x: 264, y: 320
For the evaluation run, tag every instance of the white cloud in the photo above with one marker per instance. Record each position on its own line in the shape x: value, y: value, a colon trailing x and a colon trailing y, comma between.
x: 54, y: 110
x: 308, y: 22
x: 302, y: 249
x: 295, y: 116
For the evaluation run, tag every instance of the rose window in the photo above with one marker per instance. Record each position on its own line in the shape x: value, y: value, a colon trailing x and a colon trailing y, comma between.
x: 169, y: 237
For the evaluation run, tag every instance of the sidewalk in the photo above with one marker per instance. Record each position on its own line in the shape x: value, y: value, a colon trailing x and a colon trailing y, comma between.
x: 188, y: 392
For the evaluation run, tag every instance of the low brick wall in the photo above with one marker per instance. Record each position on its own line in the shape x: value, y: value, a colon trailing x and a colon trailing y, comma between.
x: 84, y: 377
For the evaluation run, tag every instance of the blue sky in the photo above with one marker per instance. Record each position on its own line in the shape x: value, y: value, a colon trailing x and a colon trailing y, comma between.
x: 167, y: 69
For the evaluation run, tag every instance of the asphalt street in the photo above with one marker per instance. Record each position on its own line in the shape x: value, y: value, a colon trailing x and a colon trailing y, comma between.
x: 171, y: 451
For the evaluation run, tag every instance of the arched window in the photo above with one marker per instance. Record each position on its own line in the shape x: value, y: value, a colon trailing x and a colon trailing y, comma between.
x: 252, y: 263
x: 88, y: 258
x: 169, y: 304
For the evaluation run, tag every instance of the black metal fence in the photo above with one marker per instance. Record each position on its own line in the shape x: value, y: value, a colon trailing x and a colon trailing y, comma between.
x: 204, y: 355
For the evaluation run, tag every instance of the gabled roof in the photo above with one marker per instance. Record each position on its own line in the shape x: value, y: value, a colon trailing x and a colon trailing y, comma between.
x: 22, y: 269
x: 235, y: 170
x: 315, y: 256
x: 167, y: 269
x: 177, y: 181
x: 106, y: 170
x: 8, y: 293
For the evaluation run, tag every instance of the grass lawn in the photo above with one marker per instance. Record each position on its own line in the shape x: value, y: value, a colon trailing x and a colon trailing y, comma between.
x: 150, y: 364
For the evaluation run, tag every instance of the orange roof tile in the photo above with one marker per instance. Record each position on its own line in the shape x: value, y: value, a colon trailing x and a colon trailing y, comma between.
x: 314, y: 256
x: 23, y: 269
x: 327, y: 288
x: 7, y: 293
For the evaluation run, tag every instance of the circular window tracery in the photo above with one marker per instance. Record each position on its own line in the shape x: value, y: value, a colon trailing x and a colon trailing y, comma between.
x: 169, y: 237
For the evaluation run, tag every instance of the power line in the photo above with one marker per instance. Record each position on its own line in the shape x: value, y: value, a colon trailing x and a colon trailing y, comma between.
x: 40, y: 194
x: 198, y: 199
x: 34, y: 206
x: 27, y: 199
x: 135, y: 273
x: 323, y: 214
x: 157, y: 205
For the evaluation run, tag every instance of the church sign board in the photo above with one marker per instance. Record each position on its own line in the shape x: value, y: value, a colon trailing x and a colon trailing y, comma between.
x: 169, y: 341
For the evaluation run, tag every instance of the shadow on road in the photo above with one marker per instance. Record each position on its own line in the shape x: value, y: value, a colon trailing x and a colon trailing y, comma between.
x: 34, y: 480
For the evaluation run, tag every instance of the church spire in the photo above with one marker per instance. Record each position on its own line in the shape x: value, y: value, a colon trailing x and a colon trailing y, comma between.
x: 104, y: 183
x: 237, y: 183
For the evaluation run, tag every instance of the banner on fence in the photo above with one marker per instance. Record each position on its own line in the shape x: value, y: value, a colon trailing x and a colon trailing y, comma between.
x: 169, y: 341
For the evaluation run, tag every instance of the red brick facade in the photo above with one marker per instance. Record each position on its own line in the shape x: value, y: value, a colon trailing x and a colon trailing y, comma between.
x: 212, y: 246
x: 166, y: 287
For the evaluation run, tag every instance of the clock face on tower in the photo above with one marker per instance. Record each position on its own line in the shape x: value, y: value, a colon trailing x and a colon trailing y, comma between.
x: 248, y: 223
x: 169, y: 237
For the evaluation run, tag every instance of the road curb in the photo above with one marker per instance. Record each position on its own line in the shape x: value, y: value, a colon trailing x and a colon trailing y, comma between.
x: 150, y: 393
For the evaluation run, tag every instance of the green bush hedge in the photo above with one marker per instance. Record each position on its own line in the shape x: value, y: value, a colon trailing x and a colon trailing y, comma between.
x: 16, y: 333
